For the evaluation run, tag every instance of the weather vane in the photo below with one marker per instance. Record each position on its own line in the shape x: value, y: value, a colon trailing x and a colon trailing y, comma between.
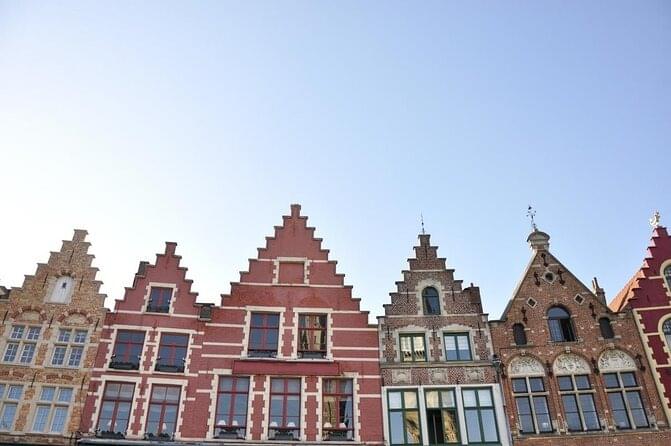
x: 531, y: 213
x: 421, y: 218
x: 654, y: 220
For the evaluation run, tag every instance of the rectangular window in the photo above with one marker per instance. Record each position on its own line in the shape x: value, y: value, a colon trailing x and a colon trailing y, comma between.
x: 22, y: 344
x: 533, y: 415
x: 457, y: 347
x: 578, y: 400
x: 285, y: 411
x: 312, y: 335
x: 163, y: 408
x: 263, y: 334
x: 159, y: 300
x: 231, y: 415
x: 480, y: 416
x: 115, y: 410
x: 413, y: 348
x: 172, y: 353
x: 9, y: 400
x: 337, y: 410
x: 69, y: 348
x: 404, y: 423
x: 624, y: 398
x: 441, y: 417
x: 127, y: 350
x: 51, y: 412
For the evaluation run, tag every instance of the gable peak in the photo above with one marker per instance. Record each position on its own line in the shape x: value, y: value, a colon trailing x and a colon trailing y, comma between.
x: 539, y: 241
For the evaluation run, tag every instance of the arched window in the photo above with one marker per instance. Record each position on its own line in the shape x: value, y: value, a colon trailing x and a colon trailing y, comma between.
x: 667, y: 276
x: 561, y: 327
x: 519, y: 334
x: 62, y: 290
x: 431, y: 301
x: 606, y: 328
x: 666, y: 329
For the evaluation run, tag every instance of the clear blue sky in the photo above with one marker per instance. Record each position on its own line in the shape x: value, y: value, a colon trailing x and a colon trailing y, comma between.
x: 200, y: 122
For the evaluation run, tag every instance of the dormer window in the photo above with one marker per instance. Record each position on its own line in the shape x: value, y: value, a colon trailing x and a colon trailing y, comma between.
x: 159, y: 300
x: 430, y: 301
x: 519, y: 334
x: 667, y: 276
x: 606, y: 328
x: 62, y: 291
x: 560, y: 325
x: 666, y: 329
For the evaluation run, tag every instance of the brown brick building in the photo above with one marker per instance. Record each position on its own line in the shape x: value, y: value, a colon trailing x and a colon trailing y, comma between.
x: 439, y: 382
x: 575, y: 372
x: 50, y: 331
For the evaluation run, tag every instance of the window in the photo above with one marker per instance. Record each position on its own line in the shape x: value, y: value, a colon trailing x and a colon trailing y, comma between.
x: 231, y: 416
x: 666, y: 329
x: 22, y: 344
x: 263, y: 334
x: 480, y: 416
x: 127, y: 350
x: 404, y: 424
x: 457, y: 347
x: 115, y: 409
x: 163, y: 407
x: 69, y: 348
x: 312, y: 335
x: 172, y: 353
x: 533, y: 415
x: 159, y: 300
x: 285, y: 411
x: 337, y: 409
x: 667, y: 276
x: 519, y: 334
x: 624, y: 398
x: 9, y: 400
x: 578, y: 400
x: 51, y: 411
x: 441, y: 417
x: 412, y: 348
x: 606, y: 328
x: 561, y: 327
x: 431, y: 301
x: 62, y: 291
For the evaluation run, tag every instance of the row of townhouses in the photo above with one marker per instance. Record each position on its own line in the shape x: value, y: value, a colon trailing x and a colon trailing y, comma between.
x: 289, y: 357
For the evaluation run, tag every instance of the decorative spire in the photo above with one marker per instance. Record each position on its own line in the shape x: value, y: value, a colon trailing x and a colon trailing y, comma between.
x: 654, y: 220
x: 531, y: 213
x: 421, y: 218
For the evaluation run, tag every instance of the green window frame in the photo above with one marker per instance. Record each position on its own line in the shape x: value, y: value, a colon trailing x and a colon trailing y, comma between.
x: 412, y: 347
x: 441, y: 405
x: 480, y: 415
x: 405, y: 422
x: 457, y: 346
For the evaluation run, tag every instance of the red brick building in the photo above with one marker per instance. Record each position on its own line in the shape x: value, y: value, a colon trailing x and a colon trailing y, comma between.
x: 287, y: 356
x: 648, y: 296
x: 575, y: 371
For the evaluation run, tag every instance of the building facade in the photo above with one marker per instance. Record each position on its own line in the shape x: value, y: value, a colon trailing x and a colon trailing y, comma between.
x: 439, y: 382
x: 287, y: 356
x: 50, y: 331
x: 648, y: 296
x: 575, y: 372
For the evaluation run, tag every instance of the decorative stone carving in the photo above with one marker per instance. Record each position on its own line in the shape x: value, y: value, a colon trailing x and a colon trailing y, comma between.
x: 401, y: 376
x: 569, y: 364
x: 611, y: 360
x: 438, y: 376
x: 474, y: 375
x: 30, y: 316
x: 75, y: 319
x: 525, y: 366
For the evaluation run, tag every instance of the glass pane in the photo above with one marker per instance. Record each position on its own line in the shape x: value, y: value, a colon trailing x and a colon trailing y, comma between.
x: 536, y: 384
x: 450, y: 427
x: 464, y: 348
x: 542, y: 414
x: 172, y: 394
x: 447, y: 398
x: 294, y: 385
x: 410, y: 399
x: 47, y: 393
x: 126, y: 391
x: 519, y: 385
x: 412, y: 428
x: 589, y: 412
x: 637, y: 411
x: 432, y: 399
x: 473, y: 426
x: 629, y: 379
x: 14, y: 392
x: 41, y: 416
x: 610, y: 380
x: 63, y: 335
x: 565, y: 383
x: 396, y: 427
x: 469, y: 398
x: 406, y: 348
x: 58, y: 419
x: 582, y: 382
x: 489, y: 425
x: 64, y: 395
x: 485, y: 397
x: 122, y: 417
x: 242, y: 384
x: 7, y: 416
x: 419, y: 349
x: 80, y: 336
x: 523, y: 405
x: 225, y: 383
x: 395, y: 400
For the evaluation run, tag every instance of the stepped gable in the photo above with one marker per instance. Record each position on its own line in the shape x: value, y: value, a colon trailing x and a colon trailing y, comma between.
x: 427, y: 268
x: 293, y: 256
x: 647, y: 285
x: 72, y: 260
x: 165, y: 271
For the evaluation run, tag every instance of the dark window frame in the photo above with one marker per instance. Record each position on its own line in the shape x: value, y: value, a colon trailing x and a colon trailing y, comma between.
x: 480, y: 408
x: 230, y: 429
x: 531, y: 395
x: 172, y: 364
x: 456, y: 335
x: 284, y: 431
x: 520, y: 334
x: 128, y: 361
x: 561, y: 327
x: 624, y: 391
x: 606, y: 328
x: 338, y: 433
x: 576, y: 392
x: 264, y: 350
x: 403, y: 410
x: 431, y: 301
x: 442, y: 407
x: 164, y: 404
x: 117, y: 400
x: 160, y: 299
x: 413, y: 356
x: 306, y: 330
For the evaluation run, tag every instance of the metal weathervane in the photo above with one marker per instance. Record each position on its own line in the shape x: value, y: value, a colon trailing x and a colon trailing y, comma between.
x: 654, y: 220
x: 531, y: 213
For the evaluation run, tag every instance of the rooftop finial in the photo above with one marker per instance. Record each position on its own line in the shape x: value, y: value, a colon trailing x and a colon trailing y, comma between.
x: 654, y: 220
x: 531, y: 213
x: 421, y: 218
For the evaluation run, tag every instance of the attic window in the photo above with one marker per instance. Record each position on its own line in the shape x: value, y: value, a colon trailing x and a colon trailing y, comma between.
x: 579, y: 299
x: 531, y: 302
x: 62, y: 291
x: 549, y: 276
x: 292, y: 272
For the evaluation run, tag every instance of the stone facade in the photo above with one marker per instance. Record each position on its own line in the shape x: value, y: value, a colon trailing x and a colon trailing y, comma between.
x: 567, y: 359
x: 287, y: 356
x: 50, y: 332
x: 648, y: 296
x: 436, y: 350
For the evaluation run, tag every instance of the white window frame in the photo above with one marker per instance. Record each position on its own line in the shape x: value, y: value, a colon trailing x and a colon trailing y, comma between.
x: 21, y: 343
x: 52, y: 406
x: 60, y: 294
x: 69, y: 346
x: 5, y: 400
